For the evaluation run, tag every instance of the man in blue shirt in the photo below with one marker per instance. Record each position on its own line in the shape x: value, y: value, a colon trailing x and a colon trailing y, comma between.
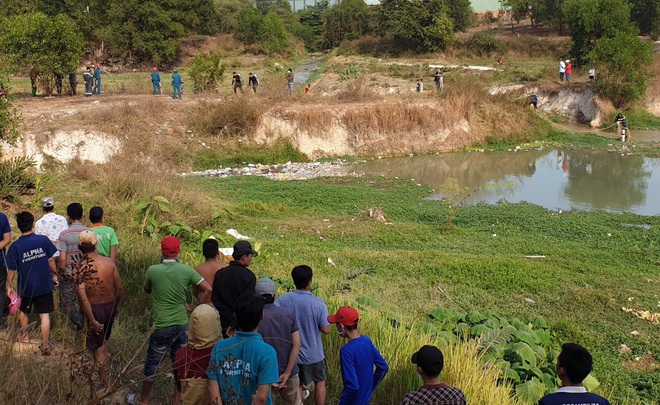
x: 155, y: 81
x: 358, y: 358
x: 97, y: 80
x: 312, y: 317
x: 243, y: 366
x: 31, y: 256
x: 5, y: 240
x: 176, y: 84
x: 573, y: 365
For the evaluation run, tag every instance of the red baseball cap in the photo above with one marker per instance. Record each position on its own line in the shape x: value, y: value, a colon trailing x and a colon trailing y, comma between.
x: 170, y: 246
x: 347, y: 316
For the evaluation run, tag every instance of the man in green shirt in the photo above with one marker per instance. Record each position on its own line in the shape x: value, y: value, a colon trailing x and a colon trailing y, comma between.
x: 168, y: 284
x: 107, y: 244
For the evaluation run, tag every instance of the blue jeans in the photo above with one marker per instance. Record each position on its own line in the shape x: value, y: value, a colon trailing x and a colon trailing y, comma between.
x: 172, y: 338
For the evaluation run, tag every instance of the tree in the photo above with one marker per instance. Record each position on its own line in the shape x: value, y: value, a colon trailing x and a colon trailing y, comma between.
x: 623, y: 62
x: 349, y: 19
x: 142, y: 30
x: 273, y: 35
x: 311, y: 24
x: 40, y: 45
x: 417, y: 24
x: 228, y: 11
x: 461, y: 14
x: 550, y: 13
x: 206, y: 72
x: 590, y: 20
x: 248, y: 25
x: 9, y: 119
x: 646, y: 14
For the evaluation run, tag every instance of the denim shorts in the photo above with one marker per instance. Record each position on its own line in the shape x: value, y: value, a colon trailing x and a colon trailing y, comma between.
x: 171, y: 338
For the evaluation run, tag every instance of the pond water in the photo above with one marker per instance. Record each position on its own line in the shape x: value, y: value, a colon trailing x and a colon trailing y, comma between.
x: 555, y: 179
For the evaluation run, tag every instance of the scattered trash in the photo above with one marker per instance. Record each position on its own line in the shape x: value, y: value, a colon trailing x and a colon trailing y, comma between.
x: 654, y: 318
x: 535, y: 257
x: 494, y: 234
x: 531, y: 301
x: 288, y: 171
x: 377, y: 214
x: 631, y: 298
x: 331, y: 262
x: 634, y: 333
x: 233, y: 232
x: 624, y: 349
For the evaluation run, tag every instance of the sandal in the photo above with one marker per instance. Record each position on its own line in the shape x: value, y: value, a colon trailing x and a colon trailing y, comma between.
x: 46, y: 351
x: 133, y: 399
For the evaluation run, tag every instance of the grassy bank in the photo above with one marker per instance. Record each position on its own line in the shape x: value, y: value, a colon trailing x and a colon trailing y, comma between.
x: 405, y: 268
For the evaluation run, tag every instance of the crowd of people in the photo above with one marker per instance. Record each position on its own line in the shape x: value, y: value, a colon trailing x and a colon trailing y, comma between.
x: 239, y: 343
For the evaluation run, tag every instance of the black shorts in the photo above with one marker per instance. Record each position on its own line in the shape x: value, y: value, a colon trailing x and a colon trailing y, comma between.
x: 310, y: 373
x: 41, y: 304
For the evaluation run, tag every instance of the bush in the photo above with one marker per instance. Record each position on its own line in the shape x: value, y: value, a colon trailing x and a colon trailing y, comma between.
x: 483, y: 43
x: 351, y: 71
x: 624, y: 61
x: 206, y: 71
x: 234, y: 117
x: 14, y: 178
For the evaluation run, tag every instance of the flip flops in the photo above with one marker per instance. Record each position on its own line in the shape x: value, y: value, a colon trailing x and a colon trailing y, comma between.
x: 132, y: 399
x: 46, y: 351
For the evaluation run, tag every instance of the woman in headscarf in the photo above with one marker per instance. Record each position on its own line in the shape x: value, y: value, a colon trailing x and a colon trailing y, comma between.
x: 191, y: 362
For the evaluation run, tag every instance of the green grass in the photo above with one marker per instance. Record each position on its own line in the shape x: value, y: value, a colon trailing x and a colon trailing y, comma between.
x: 278, y: 153
x: 638, y: 118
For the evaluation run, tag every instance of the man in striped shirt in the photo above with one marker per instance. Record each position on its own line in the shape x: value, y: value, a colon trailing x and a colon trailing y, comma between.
x: 430, y: 361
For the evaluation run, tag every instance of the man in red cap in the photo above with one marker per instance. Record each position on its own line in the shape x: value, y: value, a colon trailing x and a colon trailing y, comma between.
x: 358, y: 358
x: 430, y: 361
x: 168, y: 284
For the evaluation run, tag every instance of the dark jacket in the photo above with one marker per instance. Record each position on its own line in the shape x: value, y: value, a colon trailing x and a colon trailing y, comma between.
x: 229, y: 284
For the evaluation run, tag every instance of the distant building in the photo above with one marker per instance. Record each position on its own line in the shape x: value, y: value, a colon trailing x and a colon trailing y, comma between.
x: 485, y: 5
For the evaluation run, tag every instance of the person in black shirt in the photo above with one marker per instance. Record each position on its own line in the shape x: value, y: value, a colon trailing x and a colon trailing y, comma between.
x: 231, y: 282
x: 237, y: 82
x: 253, y: 82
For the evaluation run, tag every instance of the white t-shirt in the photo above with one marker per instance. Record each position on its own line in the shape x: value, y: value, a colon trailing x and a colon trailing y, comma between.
x: 592, y: 72
x: 51, y: 225
x: 562, y: 67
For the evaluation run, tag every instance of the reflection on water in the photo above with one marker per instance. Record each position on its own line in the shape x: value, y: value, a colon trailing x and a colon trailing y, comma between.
x: 555, y: 179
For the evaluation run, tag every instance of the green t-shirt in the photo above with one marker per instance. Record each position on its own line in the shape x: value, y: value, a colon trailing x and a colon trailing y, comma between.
x: 107, y: 239
x: 169, y: 283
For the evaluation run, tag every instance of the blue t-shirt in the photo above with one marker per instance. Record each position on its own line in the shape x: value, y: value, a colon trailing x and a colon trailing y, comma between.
x: 358, y: 358
x: 311, y: 315
x: 4, y: 228
x: 573, y: 396
x: 155, y: 77
x: 240, y: 364
x: 29, y: 257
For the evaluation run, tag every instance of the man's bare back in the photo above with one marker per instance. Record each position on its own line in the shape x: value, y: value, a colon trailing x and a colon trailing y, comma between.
x: 207, y: 270
x: 101, y: 278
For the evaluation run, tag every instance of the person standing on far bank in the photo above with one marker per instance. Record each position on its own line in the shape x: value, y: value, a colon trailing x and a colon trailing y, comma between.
x: 177, y: 82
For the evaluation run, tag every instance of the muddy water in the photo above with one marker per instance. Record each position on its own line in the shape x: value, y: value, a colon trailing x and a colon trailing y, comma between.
x: 555, y: 179
x: 306, y: 69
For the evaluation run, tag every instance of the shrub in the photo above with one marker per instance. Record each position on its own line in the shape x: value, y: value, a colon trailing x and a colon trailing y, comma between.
x: 234, y: 117
x: 351, y: 71
x: 14, y: 178
x: 483, y: 43
x: 206, y: 71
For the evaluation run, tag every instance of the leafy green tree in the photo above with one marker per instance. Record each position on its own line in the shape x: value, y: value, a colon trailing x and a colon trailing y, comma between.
x: 273, y: 35
x: 417, y: 24
x: 142, y: 30
x: 228, y: 11
x: 623, y: 62
x: 550, y: 13
x: 248, y: 25
x: 40, y: 45
x: 9, y: 119
x: 461, y: 14
x: 519, y: 9
x: 646, y: 14
x: 310, y: 28
x: 349, y: 19
x: 590, y: 20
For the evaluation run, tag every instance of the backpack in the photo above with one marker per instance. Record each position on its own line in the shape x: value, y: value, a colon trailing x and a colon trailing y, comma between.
x: 256, y: 79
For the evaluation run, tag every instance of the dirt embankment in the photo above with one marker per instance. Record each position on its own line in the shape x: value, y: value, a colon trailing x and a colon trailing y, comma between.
x: 159, y: 128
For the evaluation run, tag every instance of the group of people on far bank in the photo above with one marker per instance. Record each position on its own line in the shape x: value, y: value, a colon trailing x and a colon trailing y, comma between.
x: 239, y: 343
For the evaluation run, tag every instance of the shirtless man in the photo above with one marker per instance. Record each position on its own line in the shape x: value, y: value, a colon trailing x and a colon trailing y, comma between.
x: 210, y: 266
x: 99, y: 291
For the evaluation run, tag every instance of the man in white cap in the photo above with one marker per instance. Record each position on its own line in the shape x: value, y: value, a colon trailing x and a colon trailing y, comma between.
x: 50, y: 224
x: 280, y: 330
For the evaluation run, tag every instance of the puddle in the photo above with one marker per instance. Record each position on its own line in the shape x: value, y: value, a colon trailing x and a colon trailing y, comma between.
x: 555, y: 179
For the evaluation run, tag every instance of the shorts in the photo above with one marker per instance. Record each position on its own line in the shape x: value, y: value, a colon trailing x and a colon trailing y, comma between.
x: 104, y: 313
x: 171, y: 338
x: 290, y: 393
x: 310, y: 373
x: 42, y: 304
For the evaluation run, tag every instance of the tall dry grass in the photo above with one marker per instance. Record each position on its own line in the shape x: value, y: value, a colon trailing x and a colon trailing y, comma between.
x: 234, y: 116
x: 463, y: 364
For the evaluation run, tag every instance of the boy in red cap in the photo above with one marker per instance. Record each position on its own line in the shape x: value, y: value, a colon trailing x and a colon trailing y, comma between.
x: 358, y: 358
x: 168, y: 284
